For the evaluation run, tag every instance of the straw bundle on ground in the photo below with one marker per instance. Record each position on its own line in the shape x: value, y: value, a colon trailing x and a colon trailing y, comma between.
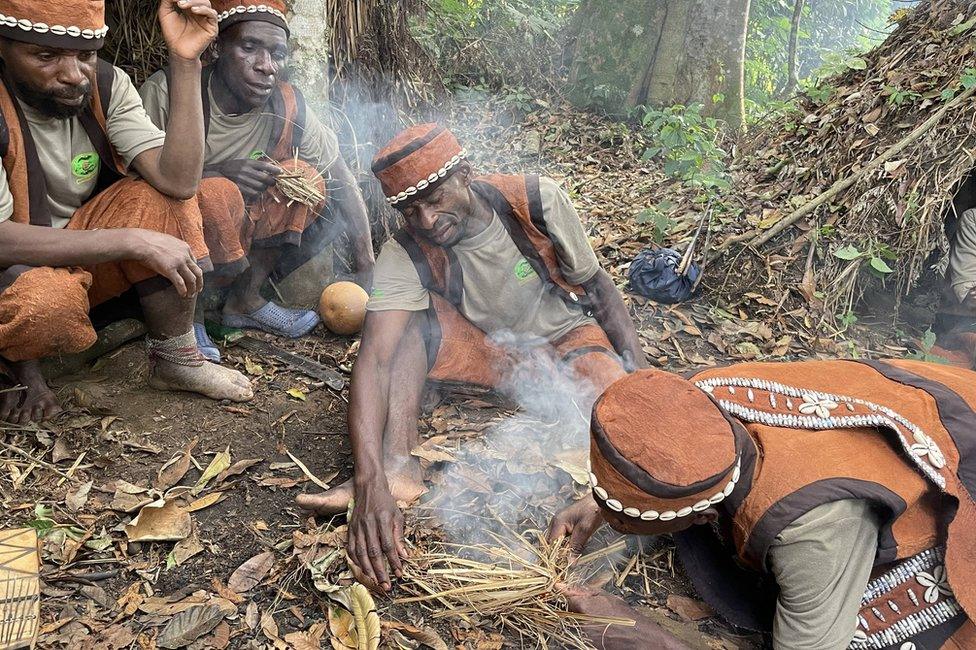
x: 514, y: 585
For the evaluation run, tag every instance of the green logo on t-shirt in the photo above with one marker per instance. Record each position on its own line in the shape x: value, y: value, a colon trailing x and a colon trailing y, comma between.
x: 85, y: 166
x: 524, y: 271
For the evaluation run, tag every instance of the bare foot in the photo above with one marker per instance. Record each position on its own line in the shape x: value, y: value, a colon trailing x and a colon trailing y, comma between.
x: 403, y: 488
x: 208, y: 379
x: 35, y: 402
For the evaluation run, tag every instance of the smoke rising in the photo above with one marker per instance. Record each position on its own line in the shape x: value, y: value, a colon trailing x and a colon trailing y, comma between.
x: 508, y: 480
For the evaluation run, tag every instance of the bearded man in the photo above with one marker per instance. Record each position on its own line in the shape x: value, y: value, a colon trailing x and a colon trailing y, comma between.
x: 96, y: 200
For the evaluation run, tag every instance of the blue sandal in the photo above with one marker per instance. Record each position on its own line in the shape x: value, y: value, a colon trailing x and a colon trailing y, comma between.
x: 207, y: 347
x: 275, y: 319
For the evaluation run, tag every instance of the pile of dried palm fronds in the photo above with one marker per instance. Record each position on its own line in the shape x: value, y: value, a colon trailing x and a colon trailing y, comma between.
x: 870, y: 167
x: 512, y: 583
x: 135, y: 42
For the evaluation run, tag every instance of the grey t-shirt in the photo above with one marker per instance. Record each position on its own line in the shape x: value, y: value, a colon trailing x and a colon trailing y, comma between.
x: 822, y: 563
x: 66, y: 152
x: 235, y: 137
x: 962, y: 257
x: 501, y: 291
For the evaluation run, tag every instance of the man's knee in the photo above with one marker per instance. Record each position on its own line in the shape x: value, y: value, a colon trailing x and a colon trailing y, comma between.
x: 44, y: 312
x: 222, y: 210
x: 220, y: 197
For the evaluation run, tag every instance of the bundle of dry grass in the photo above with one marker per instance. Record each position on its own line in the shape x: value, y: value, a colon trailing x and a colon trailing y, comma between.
x: 297, y: 187
x: 514, y: 585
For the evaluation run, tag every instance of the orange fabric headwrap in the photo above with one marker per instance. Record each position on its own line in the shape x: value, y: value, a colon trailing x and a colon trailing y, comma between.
x: 660, y: 448
x: 415, y: 161
x: 68, y: 24
x: 230, y: 12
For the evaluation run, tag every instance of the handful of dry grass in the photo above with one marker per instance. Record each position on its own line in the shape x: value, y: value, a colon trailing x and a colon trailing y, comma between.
x: 514, y: 585
x: 297, y: 187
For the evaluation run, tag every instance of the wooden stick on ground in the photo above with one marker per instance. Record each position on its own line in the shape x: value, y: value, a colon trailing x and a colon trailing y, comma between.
x: 847, y: 182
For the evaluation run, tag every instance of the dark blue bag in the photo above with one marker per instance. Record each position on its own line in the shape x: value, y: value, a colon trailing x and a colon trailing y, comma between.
x: 654, y: 274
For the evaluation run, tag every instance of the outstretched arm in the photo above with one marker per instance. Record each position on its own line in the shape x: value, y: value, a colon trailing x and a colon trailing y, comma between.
x: 612, y: 314
x: 376, y: 525
x: 175, y: 169
x: 42, y: 246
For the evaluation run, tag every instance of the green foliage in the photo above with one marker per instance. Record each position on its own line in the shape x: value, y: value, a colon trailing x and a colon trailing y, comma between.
x: 687, y: 143
x: 924, y: 353
x: 876, y: 255
x: 657, y: 217
x: 897, y: 96
x: 494, y: 43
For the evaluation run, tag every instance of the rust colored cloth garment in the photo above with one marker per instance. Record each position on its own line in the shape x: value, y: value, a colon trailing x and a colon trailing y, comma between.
x: 44, y: 311
x: 459, y: 352
x: 231, y: 228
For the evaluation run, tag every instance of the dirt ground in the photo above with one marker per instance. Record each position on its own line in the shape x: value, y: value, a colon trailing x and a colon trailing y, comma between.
x: 81, y: 478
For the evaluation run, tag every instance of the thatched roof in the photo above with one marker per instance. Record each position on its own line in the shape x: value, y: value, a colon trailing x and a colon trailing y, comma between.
x: 869, y: 168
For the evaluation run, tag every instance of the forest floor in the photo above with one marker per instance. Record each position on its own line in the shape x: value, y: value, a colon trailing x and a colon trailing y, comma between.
x: 81, y: 478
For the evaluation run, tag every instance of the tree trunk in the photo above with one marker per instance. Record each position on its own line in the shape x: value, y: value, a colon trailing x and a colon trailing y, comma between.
x: 793, y: 78
x: 687, y: 51
x: 699, y: 57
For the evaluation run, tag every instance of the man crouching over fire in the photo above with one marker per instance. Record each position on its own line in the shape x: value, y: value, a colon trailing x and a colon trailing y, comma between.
x: 477, y: 256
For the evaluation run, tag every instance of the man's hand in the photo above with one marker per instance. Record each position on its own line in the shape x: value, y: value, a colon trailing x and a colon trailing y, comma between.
x: 376, y: 535
x: 253, y: 177
x: 168, y: 256
x: 579, y: 521
x: 189, y: 26
x: 645, y: 633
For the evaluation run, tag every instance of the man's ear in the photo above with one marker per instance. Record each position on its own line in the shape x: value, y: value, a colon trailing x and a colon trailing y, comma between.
x: 465, y: 173
x: 706, y: 516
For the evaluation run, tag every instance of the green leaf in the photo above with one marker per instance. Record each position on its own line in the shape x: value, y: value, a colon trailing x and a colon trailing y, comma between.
x: 297, y: 394
x: 928, y: 340
x: 856, y: 63
x: 848, y: 253
x: 963, y: 27
x: 880, y: 265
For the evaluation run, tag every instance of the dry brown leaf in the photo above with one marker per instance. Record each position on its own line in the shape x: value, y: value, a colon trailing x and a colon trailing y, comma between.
x: 237, y: 468
x: 248, y: 575
x: 220, y: 462
x: 75, y: 500
x: 187, y: 548
x: 269, y: 627
x: 342, y: 628
x: 206, y: 502
x: 186, y: 627
x: 162, y: 606
x: 160, y: 521
x: 128, y: 502
x: 252, y: 616
x: 689, y: 609
x: 424, y: 635
x: 308, y: 640
x: 226, y: 592
x: 175, y: 469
